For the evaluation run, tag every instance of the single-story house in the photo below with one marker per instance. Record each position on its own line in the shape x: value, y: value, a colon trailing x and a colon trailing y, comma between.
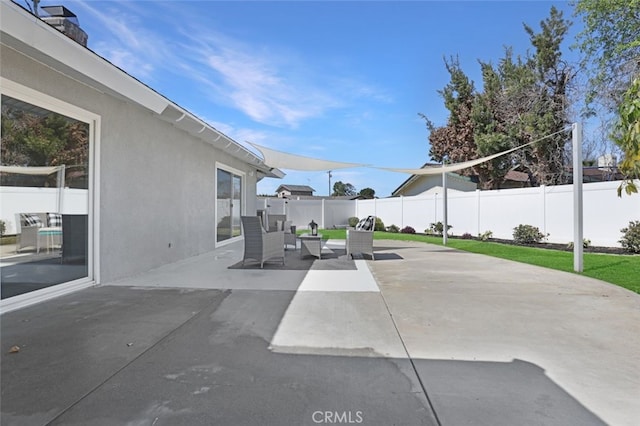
x: 288, y: 191
x: 428, y: 184
x: 147, y: 182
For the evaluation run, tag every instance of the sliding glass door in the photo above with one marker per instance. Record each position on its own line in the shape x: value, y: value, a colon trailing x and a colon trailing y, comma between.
x: 229, y: 204
x: 44, y: 184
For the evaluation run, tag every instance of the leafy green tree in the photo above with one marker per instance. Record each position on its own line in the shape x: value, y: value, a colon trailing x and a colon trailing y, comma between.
x: 610, y: 43
x: 44, y: 140
x: 341, y: 189
x: 627, y: 136
x: 454, y: 142
x: 367, y: 193
x: 523, y: 99
x: 491, y: 127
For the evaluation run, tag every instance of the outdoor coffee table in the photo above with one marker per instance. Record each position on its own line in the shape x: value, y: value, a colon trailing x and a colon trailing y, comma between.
x: 311, y: 245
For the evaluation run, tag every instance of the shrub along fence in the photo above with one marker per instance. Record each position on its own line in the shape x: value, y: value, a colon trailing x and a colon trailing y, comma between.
x: 549, y: 208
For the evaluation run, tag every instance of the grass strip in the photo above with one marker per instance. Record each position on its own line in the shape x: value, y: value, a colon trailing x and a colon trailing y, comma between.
x: 621, y: 270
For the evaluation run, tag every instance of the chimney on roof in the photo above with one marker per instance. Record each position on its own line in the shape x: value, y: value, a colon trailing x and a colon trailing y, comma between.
x: 64, y: 21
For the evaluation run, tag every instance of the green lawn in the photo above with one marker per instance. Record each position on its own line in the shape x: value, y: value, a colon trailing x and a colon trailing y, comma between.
x: 622, y: 270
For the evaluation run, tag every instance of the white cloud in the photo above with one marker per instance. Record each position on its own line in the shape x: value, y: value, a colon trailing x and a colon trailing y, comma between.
x: 268, y: 87
x: 270, y: 84
x: 125, y: 41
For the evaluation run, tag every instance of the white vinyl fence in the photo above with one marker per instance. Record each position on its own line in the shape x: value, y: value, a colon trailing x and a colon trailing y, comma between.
x: 18, y: 199
x: 550, y: 208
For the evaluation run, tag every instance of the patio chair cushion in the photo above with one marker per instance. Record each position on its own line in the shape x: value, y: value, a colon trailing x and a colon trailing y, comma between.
x: 287, y: 226
x: 30, y: 219
x: 366, y: 224
x: 54, y: 219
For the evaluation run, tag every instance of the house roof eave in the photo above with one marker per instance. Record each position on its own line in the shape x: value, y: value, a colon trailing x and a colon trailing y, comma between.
x: 32, y: 37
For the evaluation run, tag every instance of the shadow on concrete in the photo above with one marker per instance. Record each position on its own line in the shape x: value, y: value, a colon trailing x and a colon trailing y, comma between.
x: 499, y: 393
x: 387, y: 256
x: 332, y: 259
x: 118, y: 355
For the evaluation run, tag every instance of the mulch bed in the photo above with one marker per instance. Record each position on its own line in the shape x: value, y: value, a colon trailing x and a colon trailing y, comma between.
x: 562, y: 247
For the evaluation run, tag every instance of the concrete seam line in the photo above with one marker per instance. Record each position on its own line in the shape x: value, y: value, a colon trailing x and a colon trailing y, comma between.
x: 413, y: 366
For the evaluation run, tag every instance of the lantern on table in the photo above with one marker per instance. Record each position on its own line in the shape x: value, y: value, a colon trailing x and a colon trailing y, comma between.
x: 314, y: 228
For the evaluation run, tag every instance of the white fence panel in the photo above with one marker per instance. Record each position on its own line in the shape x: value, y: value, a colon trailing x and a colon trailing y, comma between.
x: 418, y: 212
x: 366, y: 208
x: 388, y: 208
x: 605, y: 213
x: 19, y: 199
x: 301, y: 212
x: 550, y: 208
x: 558, y: 219
x: 502, y: 210
x: 337, y: 213
x: 461, y: 213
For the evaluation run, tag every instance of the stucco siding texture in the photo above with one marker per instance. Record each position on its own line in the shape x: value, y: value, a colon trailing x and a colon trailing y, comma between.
x: 157, y: 182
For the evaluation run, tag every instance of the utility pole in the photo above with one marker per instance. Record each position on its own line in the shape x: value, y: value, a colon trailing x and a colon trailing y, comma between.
x: 329, y: 172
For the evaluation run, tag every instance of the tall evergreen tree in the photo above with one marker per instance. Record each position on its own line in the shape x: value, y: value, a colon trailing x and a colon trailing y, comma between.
x: 548, y: 112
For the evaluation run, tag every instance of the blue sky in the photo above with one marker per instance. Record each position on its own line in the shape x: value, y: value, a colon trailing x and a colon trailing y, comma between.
x: 335, y: 80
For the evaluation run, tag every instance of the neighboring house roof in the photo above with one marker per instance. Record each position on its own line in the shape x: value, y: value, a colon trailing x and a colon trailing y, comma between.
x: 24, y: 32
x: 400, y: 189
x: 516, y: 176
x: 320, y: 197
x: 295, y: 188
x: 600, y: 174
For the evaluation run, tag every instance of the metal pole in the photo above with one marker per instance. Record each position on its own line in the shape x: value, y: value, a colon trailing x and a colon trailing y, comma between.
x: 329, y: 172
x: 445, y: 207
x: 576, y: 138
x: 60, y: 183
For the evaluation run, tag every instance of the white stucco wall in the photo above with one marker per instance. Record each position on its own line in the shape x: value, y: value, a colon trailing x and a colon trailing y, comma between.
x: 156, y: 183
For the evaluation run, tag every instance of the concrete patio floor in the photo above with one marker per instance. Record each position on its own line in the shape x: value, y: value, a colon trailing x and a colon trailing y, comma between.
x: 424, y: 335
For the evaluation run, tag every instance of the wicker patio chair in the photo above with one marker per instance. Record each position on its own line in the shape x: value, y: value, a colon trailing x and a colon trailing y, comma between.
x: 260, y: 245
x: 360, y: 238
x: 273, y: 221
x: 289, y: 230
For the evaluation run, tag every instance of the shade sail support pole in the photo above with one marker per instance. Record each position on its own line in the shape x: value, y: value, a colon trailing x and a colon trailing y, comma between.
x: 445, y: 207
x: 578, y: 249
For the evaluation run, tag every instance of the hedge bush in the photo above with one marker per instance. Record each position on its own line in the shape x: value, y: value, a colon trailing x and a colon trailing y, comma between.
x: 437, y: 228
x: 631, y: 239
x: 485, y: 235
x: 393, y: 229
x: 408, y: 230
x: 527, y: 234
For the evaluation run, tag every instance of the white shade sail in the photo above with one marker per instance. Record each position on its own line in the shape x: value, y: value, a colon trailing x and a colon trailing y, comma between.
x: 282, y: 160
x: 35, y: 170
x: 438, y: 170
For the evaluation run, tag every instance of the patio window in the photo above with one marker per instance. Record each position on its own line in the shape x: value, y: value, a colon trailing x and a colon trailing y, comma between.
x: 229, y: 204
